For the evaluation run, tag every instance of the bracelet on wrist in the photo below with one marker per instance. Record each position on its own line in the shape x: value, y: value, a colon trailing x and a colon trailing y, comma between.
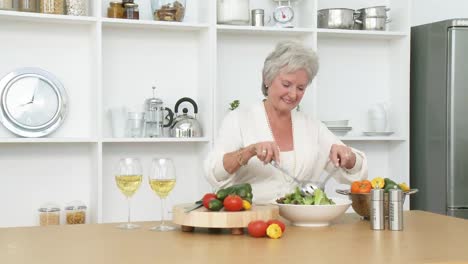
x: 240, y: 159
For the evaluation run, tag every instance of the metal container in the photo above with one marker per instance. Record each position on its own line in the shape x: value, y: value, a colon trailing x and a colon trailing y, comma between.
x: 186, y: 126
x: 258, y: 18
x: 361, y: 202
x: 373, y: 23
x: 377, y: 218
x: 374, y: 11
x: 336, y: 18
x: 395, y: 214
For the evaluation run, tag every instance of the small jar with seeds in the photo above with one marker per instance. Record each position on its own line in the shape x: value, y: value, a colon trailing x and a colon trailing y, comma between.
x: 56, y: 7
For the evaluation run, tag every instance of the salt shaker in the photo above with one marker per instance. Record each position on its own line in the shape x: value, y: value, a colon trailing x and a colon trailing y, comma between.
x: 377, y: 209
x: 395, y: 208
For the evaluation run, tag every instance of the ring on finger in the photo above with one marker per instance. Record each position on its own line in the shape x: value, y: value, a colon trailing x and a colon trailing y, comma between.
x: 264, y: 151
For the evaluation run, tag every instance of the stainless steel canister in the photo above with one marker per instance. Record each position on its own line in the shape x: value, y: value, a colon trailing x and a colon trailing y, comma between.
x: 377, y: 218
x: 395, y: 209
x: 258, y: 18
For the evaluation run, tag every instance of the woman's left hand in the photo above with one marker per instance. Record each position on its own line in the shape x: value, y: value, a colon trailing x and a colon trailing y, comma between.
x: 342, y: 156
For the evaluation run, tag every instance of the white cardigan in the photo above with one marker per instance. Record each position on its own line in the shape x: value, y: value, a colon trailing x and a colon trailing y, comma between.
x: 312, y: 143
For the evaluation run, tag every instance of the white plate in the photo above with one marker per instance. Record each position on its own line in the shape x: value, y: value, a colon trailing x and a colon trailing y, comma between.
x: 376, y: 134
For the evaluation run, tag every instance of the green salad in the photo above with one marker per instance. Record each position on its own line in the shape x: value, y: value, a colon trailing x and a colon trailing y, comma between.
x: 319, y: 198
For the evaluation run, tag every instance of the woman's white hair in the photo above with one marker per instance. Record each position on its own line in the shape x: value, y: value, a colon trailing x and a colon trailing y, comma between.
x: 289, y: 56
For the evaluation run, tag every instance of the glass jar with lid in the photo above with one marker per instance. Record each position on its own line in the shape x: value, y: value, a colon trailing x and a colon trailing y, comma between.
x: 131, y: 11
x: 27, y: 5
x: 52, y: 7
x: 49, y: 214
x: 75, y: 213
x: 233, y: 12
x: 168, y: 10
x: 6, y: 4
x: 115, y: 10
x: 77, y: 7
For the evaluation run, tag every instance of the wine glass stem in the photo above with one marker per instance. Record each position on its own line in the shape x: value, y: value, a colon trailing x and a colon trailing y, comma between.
x: 163, y: 200
x: 128, y: 199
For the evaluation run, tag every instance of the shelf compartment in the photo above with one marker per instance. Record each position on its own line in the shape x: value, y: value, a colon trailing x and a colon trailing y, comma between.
x: 36, y: 175
x: 263, y: 30
x: 128, y: 23
x: 156, y: 140
x: 46, y: 18
x: 363, y: 34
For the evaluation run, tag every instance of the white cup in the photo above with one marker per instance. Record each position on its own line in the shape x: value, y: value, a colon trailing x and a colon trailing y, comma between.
x: 377, y: 125
x: 118, y: 121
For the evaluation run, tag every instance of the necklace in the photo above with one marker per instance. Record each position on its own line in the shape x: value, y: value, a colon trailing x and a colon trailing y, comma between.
x: 287, y: 179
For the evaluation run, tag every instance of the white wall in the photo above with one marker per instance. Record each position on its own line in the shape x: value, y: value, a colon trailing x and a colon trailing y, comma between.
x: 427, y: 11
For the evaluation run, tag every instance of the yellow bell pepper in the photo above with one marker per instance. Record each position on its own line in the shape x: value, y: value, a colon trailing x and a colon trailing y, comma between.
x: 274, y: 231
x: 378, y: 183
x: 246, y: 205
x: 404, y: 187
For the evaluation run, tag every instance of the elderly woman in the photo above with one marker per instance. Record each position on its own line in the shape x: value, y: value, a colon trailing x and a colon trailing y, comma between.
x: 250, y: 138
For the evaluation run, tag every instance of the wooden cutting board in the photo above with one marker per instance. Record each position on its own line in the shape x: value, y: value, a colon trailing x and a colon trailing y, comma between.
x: 202, y: 217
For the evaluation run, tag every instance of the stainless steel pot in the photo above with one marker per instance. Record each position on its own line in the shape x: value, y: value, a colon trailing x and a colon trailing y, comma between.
x: 336, y: 18
x: 375, y: 11
x: 373, y: 23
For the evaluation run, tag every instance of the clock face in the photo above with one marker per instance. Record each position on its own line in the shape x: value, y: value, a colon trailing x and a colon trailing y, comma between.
x: 283, y: 14
x: 32, y: 102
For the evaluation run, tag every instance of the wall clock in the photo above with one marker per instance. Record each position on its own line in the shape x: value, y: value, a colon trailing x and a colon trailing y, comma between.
x: 33, y: 102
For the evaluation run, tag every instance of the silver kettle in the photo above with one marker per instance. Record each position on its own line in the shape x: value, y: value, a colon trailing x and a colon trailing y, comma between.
x: 186, y: 126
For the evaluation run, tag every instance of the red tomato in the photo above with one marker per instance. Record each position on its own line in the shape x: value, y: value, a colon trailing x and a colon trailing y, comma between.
x: 207, y: 198
x: 364, y: 186
x: 257, y: 228
x: 278, y: 222
x: 232, y: 203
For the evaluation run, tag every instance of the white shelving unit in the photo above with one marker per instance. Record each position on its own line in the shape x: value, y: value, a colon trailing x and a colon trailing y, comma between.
x: 105, y: 62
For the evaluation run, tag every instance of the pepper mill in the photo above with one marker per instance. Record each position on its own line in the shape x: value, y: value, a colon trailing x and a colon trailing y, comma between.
x: 154, y: 116
x: 377, y: 216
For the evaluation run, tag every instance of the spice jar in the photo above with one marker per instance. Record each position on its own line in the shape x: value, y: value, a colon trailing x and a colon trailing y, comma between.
x: 115, y: 10
x: 49, y: 214
x: 77, y: 7
x: 52, y: 7
x: 131, y: 11
x: 27, y: 5
x: 168, y: 10
x: 6, y: 4
x: 75, y: 213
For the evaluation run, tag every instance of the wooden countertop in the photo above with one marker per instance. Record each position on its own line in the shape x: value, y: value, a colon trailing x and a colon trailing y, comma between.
x: 427, y: 238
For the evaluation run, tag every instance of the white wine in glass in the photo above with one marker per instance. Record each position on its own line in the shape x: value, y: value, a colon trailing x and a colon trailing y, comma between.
x: 128, y: 178
x: 162, y: 180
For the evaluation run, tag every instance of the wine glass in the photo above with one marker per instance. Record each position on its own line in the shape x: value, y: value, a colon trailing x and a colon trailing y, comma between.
x: 162, y: 179
x: 128, y: 178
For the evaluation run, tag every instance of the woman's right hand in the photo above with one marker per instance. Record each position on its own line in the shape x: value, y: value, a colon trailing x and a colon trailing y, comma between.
x: 266, y: 151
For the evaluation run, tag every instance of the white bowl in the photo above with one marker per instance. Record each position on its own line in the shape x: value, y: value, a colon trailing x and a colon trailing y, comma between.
x: 336, y: 123
x: 314, y: 215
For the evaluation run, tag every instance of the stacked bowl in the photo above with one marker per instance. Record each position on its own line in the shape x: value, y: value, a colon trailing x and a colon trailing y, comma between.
x: 338, y: 127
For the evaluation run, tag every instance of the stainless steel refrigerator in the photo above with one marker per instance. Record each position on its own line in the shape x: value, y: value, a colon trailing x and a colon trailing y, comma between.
x: 439, y: 117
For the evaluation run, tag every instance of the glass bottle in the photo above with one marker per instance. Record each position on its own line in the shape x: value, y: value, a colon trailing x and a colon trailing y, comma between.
x: 27, y: 5
x: 168, y: 10
x: 77, y: 7
x: 131, y: 11
x: 115, y: 10
x: 52, y: 7
x: 6, y: 4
